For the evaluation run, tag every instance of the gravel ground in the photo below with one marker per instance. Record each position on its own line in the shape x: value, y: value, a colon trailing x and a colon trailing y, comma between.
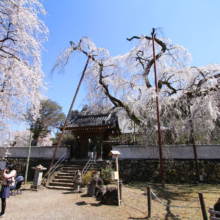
x: 61, y: 204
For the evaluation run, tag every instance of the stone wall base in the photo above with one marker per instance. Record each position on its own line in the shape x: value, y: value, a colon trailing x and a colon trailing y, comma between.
x: 175, y: 171
x: 20, y: 166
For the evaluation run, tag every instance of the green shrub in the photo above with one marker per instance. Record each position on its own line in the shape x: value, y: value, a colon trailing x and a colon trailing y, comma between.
x: 106, y: 175
x: 87, y: 178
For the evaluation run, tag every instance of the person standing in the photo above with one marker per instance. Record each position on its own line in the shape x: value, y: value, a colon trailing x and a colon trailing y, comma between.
x: 90, y: 148
x: 8, y: 180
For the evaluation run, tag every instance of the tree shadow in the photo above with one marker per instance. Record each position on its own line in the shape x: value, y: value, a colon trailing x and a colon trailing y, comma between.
x: 86, y: 203
x: 85, y: 195
x: 130, y: 207
x: 138, y: 218
x: 96, y: 204
x: 33, y: 190
x: 81, y: 203
x: 72, y: 192
x: 169, y: 213
x: 134, y: 208
x: 26, y: 189
x: 166, y: 193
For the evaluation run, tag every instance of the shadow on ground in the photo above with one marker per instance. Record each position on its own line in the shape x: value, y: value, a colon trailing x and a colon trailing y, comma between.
x: 169, y: 195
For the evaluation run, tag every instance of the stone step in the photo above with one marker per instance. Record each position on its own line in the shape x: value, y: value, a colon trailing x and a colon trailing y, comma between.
x: 73, y: 172
x: 68, y: 171
x: 66, y: 174
x: 61, y: 184
x: 83, y: 162
x: 80, y: 168
x: 71, y: 166
x: 64, y: 177
x: 60, y: 187
x: 63, y: 180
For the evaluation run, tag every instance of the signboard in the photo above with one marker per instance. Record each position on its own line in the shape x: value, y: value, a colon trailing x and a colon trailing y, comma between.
x: 114, y: 175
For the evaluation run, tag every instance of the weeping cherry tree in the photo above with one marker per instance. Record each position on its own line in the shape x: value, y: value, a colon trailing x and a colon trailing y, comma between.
x: 188, y: 94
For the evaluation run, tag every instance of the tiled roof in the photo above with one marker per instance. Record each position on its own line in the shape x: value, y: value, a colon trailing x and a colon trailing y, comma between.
x: 93, y: 120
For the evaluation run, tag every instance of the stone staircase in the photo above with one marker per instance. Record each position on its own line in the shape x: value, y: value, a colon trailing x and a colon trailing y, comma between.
x: 63, y: 177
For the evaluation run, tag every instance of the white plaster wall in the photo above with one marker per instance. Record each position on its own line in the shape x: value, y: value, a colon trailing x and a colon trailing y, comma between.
x: 171, y: 152
x: 127, y: 152
x: 36, y: 152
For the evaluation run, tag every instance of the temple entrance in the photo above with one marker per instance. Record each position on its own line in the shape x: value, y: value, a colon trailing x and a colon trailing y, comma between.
x: 98, y: 128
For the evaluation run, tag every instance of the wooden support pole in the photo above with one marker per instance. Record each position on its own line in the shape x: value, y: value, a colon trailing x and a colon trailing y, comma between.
x: 67, y: 118
x: 117, y: 169
x: 202, y: 204
x: 158, y: 111
x: 149, y: 201
x: 74, y: 149
x: 120, y: 190
x: 193, y: 141
x: 101, y: 146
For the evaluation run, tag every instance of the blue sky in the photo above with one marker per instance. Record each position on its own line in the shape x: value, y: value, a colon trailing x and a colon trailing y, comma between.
x: 194, y: 24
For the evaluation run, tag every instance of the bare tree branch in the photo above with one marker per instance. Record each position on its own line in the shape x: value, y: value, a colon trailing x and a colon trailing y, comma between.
x: 151, y: 61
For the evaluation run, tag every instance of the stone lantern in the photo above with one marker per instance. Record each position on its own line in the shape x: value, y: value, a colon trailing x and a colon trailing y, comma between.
x: 38, y: 175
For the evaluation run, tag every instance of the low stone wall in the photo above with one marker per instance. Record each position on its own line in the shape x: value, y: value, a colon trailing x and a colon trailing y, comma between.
x: 36, y: 152
x: 39, y: 155
x: 168, y: 152
x: 175, y: 171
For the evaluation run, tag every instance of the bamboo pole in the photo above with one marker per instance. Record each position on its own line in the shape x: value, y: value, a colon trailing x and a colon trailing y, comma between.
x: 28, y: 158
x: 67, y: 118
